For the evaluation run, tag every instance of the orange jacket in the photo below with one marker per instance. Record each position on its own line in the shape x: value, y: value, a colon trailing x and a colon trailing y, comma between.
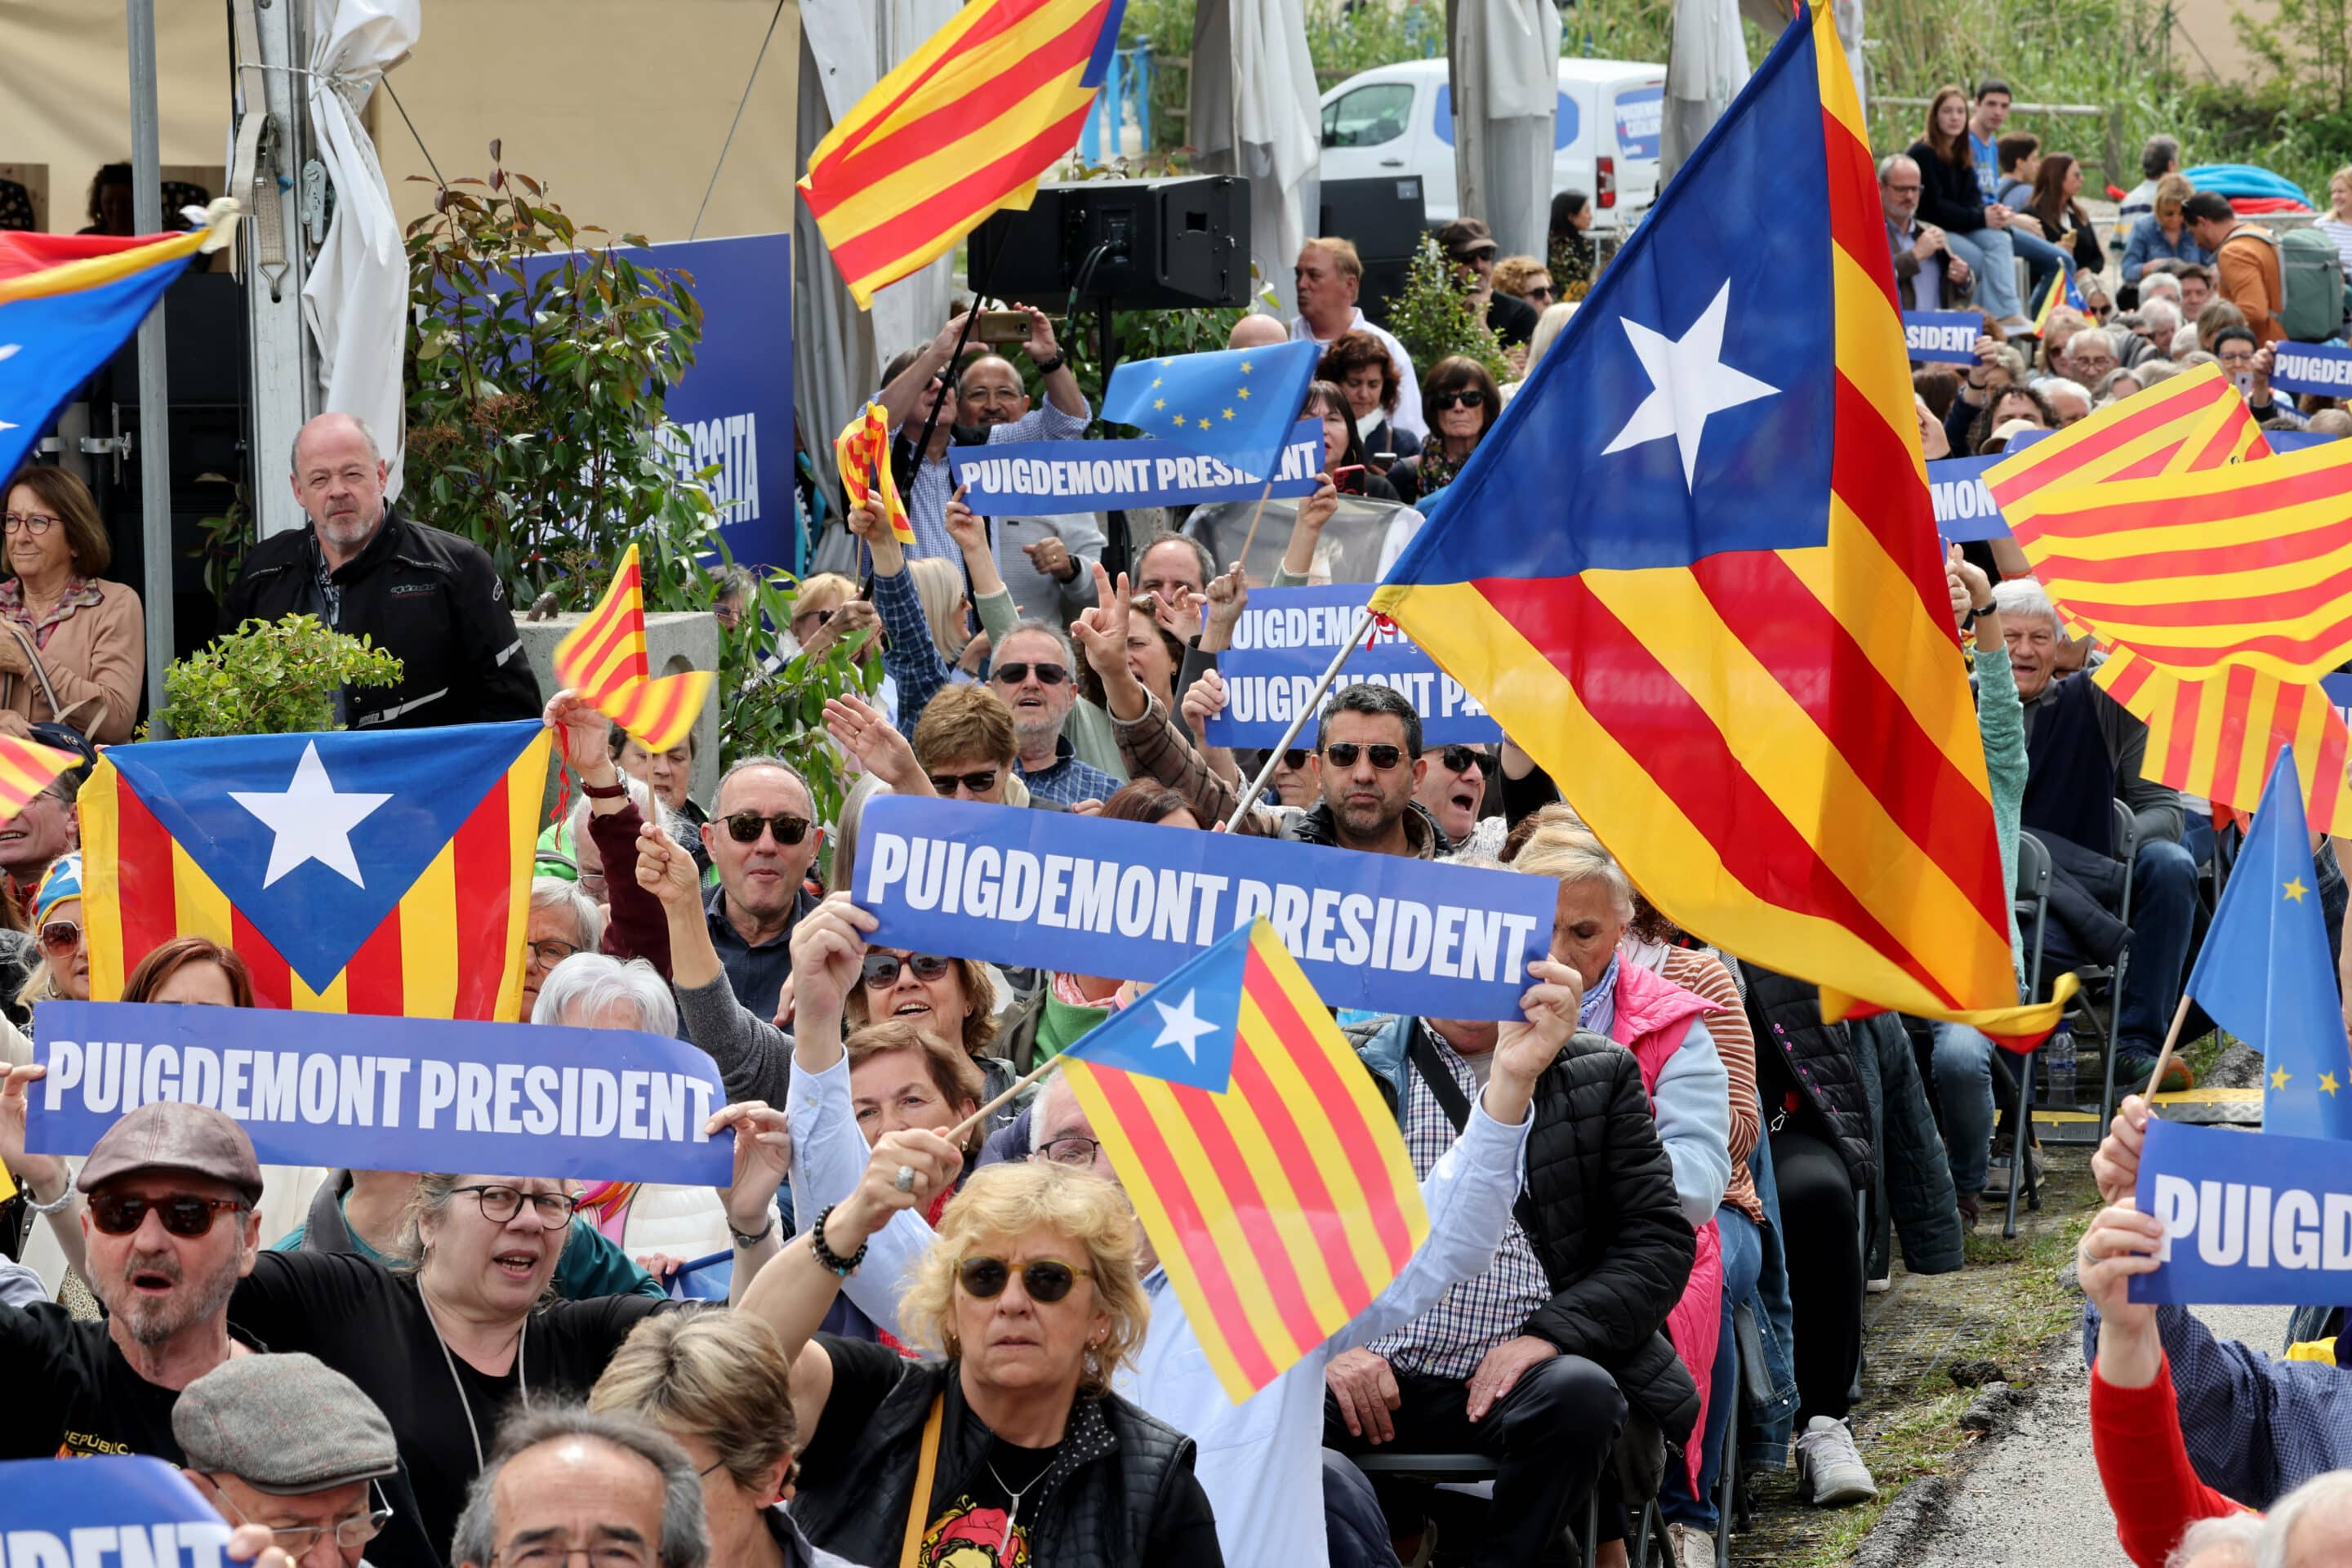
x: 2248, y: 264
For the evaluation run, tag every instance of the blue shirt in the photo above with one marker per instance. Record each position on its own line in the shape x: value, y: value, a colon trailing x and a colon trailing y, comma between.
x: 2148, y: 243
x: 1988, y: 162
x: 1068, y: 781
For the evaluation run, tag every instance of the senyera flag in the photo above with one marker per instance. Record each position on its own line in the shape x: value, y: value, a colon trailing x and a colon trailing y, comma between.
x: 26, y: 768
x: 354, y: 872
x: 862, y: 453
x: 1263, y: 1165
x: 604, y: 660
x: 969, y: 124
x: 1694, y: 571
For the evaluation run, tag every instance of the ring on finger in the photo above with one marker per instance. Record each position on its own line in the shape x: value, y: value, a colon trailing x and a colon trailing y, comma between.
x: 905, y: 1180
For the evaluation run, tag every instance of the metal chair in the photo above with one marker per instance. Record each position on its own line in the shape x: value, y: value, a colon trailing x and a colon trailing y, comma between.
x: 2126, y: 849
x: 2031, y: 899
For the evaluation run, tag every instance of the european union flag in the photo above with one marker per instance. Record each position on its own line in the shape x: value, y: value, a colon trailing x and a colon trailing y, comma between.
x: 2266, y: 976
x: 1182, y: 1029
x: 1236, y: 405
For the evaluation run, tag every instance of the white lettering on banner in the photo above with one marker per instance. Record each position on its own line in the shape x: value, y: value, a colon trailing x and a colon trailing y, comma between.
x: 1278, y: 699
x: 128, y: 1545
x: 731, y: 444
x: 1075, y: 892
x: 1923, y: 337
x: 2241, y: 1223
x: 2293, y: 363
x: 1022, y: 476
x: 1959, y: 500
x: 1319, y: 626
x: 323, y: 1089
x: 1639, y: 119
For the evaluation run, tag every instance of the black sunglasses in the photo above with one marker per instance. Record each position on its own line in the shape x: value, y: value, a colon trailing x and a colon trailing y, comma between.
x: 979, y: 782
x: 1462, y: 759
x: 1468, y: 398
x: 1384, y: 756
x: 984, y: 1278
x: 1014, y: 674
x: 184, y: 1213
x: 1296, y: 758
x: 1540, y: 292
x: 882, y: 968
x: 744, y: 826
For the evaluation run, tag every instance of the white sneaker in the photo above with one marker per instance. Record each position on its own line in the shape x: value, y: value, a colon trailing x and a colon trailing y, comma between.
x: 1693, y: 1547
x: 1830, y: 1471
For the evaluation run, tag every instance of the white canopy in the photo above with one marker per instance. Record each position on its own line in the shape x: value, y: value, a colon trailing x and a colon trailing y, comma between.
x: 1253, y: 111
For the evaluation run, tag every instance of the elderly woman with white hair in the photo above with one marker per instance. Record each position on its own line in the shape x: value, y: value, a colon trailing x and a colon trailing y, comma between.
x: 564, y: 920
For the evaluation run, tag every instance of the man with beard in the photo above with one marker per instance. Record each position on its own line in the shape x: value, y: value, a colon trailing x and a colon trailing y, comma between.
x: 361, y: 567
x: 1035, y: 673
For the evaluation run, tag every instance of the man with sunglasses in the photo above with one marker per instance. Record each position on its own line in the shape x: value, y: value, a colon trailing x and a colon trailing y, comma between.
x: 763, y: 839
x: 1035, y: 673
x: 1454, y: 789
x: 32, y: 840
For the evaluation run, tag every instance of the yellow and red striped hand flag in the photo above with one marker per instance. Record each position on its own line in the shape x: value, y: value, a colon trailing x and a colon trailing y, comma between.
x: 2183, y: 425
x: 967, y: 124
x: 862, y: 452
x: 604, y: 658
x: 26, y: 768
x: 1265, y: 1169
x: 2219, y: 737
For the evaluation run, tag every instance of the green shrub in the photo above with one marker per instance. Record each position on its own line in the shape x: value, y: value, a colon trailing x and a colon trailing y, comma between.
x: 268, y: 677
x: 1434, y: 317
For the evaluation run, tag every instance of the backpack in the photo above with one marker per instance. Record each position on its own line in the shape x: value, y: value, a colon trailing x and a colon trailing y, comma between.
x: 2311, y: 283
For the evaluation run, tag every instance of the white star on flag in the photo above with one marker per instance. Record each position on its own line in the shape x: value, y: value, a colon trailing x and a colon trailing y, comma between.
x: 1688, y: 381
x: 1181, y: 1026
x: 312, y: 822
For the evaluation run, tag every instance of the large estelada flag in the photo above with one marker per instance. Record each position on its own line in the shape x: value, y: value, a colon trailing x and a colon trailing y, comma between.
x: 1263, y: 1165
x: 1694, y: 572
x: 967, y: 124
x: 66, y: 304
x: 384, y: 872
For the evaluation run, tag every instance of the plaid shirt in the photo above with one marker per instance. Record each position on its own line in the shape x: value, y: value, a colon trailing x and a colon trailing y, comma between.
x: 1068, y: 781
x: 909, y: 657
x: 1474, y: 1317
x: 927, y: 496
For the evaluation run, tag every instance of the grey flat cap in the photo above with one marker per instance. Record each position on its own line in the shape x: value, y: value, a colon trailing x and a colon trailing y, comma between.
x: 286, y: 1425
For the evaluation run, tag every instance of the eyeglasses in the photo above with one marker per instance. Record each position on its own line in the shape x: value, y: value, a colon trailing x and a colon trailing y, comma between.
x: 60, y: 937
x: 1905, y: 190
x: 554, y: 1554
x: 882, y: 968
x: 815, y: 617
x: 979, y: 782
x: 743, y: 827
x: 297, y: 1539
x: 184, y: 1213
x: 27, y: 522
x: 1468, y: 398
x: 1048, y: 673
x: 1462, y: 759
x: 1079, y: 1152
x: 1046, y: 1280
x: 500, y: 1204
x: 1540, y: 292
x: 1296, y: 758
x: 1343, y: 755
x: 552, y: 953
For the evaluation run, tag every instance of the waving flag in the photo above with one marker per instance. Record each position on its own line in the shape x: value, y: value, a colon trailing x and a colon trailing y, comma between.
x: 604, y: 658
x: 1236, y: 405
x: 2184, y: 424
x: 1257, y: 1152
x: 966, y: 125
x: 2219, y: 737
x: 26, y: 768
x: 1694, y: 572
x: 384, y: 871
x: 861, y: 453
x: 67, y: 303
x: 2060, y: 291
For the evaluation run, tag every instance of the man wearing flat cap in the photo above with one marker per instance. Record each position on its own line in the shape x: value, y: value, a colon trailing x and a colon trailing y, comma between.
x: 1471, y: 248
x: 287, y: 1443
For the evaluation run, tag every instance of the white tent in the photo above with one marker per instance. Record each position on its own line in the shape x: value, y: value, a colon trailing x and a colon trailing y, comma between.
x: 1504, y: 58
x: 1707, y: 65
x: 1251, y: 111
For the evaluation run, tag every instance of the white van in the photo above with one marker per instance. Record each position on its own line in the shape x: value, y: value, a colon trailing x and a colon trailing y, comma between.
x: 1399, y: 119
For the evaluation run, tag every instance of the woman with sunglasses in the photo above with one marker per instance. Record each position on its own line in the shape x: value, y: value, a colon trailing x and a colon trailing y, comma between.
x: 64, y: 972
x: 1011, y: 1448
x: 1461, y: 400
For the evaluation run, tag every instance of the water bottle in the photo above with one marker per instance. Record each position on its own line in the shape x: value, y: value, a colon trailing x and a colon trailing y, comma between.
x: 2058, y: 1061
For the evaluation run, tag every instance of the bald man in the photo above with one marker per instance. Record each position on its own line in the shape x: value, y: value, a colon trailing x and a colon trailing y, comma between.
x: 1257, y: 330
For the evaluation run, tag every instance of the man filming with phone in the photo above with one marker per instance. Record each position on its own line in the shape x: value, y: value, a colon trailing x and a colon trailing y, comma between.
x: 989, y: 406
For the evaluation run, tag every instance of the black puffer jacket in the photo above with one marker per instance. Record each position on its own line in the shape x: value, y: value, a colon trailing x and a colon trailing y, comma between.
x: 1819, y: 1059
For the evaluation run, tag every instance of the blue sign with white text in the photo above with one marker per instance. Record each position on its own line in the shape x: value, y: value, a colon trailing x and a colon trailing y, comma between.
x: 1135, y: 900
x: 1042, y: 478
x: 1641, y: 120
x: 2260, y: 1219
x: 79, y: 1513
x: 1946, y: 337
x: 357, y: 1091
x: 2322, y: 368
x: 1285, y: 641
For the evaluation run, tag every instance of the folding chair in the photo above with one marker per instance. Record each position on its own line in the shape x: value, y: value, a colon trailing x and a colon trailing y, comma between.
x: 2031, y: 899
x: 2127, y: 836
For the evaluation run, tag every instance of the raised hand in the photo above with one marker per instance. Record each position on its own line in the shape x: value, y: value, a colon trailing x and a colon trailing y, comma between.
x: 858, y: 728
x: 580, y: 730
x: 763, y: 1159
x: 666, y: 872
x: 828, y: 956
x: 1203, y: 700
x: 1228, y: 597
x: 1101, y: 631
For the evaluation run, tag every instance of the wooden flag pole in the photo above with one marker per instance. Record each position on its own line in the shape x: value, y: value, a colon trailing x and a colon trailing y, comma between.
x: 2164, y: 1057
x: 962, y: 1130
x: 1298, y: 720
x: 1259, y: 512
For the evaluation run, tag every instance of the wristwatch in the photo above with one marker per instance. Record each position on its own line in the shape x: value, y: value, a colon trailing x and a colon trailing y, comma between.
x: 1976, y: 613
x: 1048, y: 366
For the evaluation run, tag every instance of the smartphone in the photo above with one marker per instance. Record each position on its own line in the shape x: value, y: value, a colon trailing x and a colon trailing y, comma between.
x: 2244, y: 380
x: 1001, y: 327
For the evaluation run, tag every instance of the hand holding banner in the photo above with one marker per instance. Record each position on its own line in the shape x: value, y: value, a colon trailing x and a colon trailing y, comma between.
x: 1945, y: 337
x: 1048, y: 476
x: 61, y: 1511
x: 2260, y: 1220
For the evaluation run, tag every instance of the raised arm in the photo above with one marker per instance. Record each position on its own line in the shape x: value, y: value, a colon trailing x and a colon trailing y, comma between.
x: 45, y: 1178
x: 828, y: 959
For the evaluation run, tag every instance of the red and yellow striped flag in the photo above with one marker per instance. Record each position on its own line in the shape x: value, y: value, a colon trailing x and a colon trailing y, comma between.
x: 862, y: 452
x: 26, y: 768
x: 968, y: 124
x: 2186, y: 423
x: 604, y: 658
x: 1264, y: 1167
x: 2219, y: 737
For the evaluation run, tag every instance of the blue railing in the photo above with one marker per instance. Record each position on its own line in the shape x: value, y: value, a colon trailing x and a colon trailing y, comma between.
x: 1127, y: 87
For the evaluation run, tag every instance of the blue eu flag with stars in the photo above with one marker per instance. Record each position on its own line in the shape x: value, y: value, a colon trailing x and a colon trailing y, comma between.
x: 1236, y: 405
x: 2265, y: 975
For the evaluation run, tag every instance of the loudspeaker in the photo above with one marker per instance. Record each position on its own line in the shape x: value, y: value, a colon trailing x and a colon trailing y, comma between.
x: 1164, y: 244
x: 1384, y: 218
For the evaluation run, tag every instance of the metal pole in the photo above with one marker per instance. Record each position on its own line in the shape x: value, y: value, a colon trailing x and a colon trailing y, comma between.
x: 1298, y: 720
x: 154, y: 391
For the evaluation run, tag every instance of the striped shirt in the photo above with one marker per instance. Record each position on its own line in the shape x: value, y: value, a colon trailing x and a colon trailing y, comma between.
x: 1704, y: 974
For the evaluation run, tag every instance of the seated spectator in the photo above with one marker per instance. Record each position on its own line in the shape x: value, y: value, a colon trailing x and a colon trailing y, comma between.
x: 288, y: 1444
x: 565, y: 1482
x: 1328, y: 275
x: 718, y: 1387
x: 2019, y: 154
x: 2057, y: 333
x: 563, y: 920
x: 2063, y: 222
x: 1524, y: 278
x: 2113, y: 387
x: 1928, y: 275
x: 1463, y: 402
x: 2250, y: 368
x: 2158, y: 157
x: 2089, y: 355
x: 2013, y: 403
x: 2218, y: 316
x: 2163, y: 233
x: 2196, y: 286
x: 1470, y: 246
x: 1344, y: 459
x: 2159, y: 319
x: 1998, y: 368
x: 2245, y: 261
x: 73, y: 647
x: 1359, y: 364
x: 1978, y: 232
x: 2159, y: 280
x: 1568, y: 245
x: 2332, y: 423
x: 2336, y: 223
x: 2085, y: 753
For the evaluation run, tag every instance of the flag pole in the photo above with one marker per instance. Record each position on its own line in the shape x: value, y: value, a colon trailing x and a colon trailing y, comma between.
x: 1298, y: 720
x: 962, y: 1130
x: 2164, y: 1057
x: 1251, y: 538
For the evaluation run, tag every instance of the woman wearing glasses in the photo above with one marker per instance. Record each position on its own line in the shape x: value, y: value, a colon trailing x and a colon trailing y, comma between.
x: 73, y: 647
x: 1461, y: 400
x: 64, y: 972
x: 1011, y: 1448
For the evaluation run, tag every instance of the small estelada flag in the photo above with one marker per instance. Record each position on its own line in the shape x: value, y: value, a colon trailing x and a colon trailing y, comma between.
x: 604, y: 658
x: 863, y: 452
x: 1257, y: 1152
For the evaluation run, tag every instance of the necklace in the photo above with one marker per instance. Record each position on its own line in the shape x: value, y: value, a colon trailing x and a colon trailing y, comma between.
x: 1013, y: 1508
x: 522, y: 1379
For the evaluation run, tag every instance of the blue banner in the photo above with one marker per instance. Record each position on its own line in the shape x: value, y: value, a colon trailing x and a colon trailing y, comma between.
x: 79, y: 1513
x: 1946, y: 337
x: 1084, y: 895
x: 1285, y: 641
x: 1965, y: 509
x: 1027, y: 479
x: 2322, y: 368
x: 357, y: 1091
x: 2260, y: 1219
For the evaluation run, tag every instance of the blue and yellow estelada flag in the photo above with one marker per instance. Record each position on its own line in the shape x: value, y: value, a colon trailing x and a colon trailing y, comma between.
x: 1694, y: 571
x: 1236, y: 405
x: 381, y: 872
x: 2059, y: 290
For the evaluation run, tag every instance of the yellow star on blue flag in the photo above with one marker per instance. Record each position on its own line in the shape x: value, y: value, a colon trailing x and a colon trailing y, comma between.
x: 1253, y: 430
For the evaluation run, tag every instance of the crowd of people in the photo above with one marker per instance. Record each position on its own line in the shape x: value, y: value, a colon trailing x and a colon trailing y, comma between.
x: 945, y: 1339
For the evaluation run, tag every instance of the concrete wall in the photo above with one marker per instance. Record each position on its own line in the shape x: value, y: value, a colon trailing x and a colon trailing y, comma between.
x: 676, y: 641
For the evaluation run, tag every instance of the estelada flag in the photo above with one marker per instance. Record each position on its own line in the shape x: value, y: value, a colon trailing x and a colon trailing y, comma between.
x: 372, y: 872
x: 604, y: 660
x: 862, y: 452
x: 1694, y: 572
x: 1258, y: 1155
